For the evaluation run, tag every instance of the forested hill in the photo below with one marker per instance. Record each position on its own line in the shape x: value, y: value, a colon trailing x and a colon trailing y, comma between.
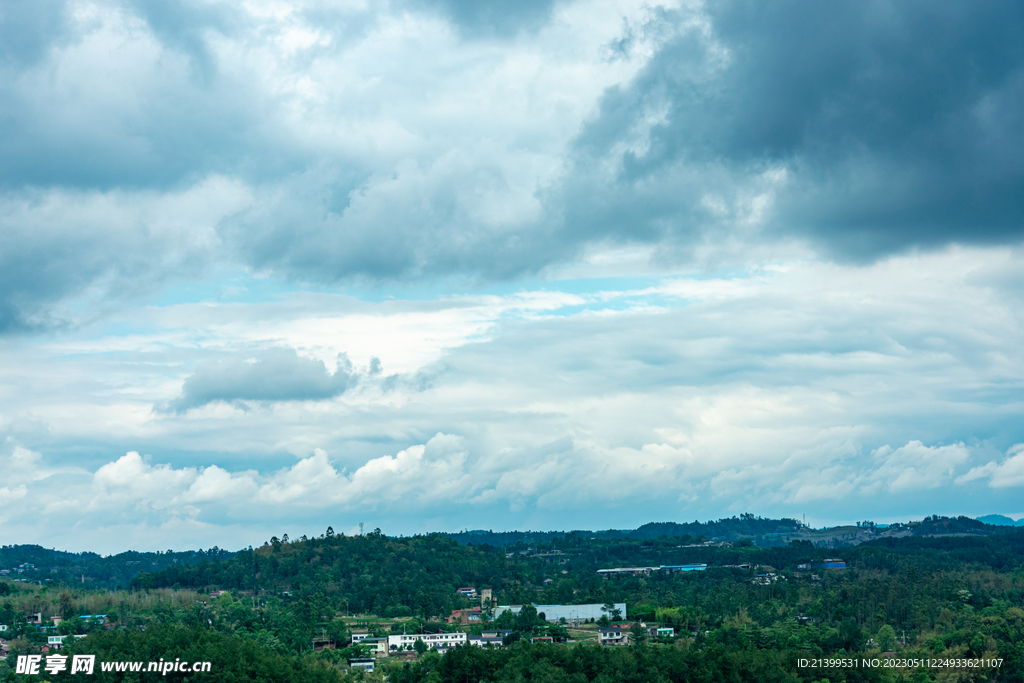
x: 760, y: 531
x: 419, y: 575
x: 948, y: 587
x: 728, y: 529
x: 1000, y: 552
x: 370, y: 573
x: 37, y: 563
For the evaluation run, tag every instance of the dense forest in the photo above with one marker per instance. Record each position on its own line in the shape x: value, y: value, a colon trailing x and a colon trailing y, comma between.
x: 728, y: 529
x: 117, y: 571
x: 760, y: 531
x: 750, y: 616
x: 94, y: 570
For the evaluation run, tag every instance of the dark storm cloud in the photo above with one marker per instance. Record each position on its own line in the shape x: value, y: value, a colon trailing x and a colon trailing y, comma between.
x: 273, y: 375
x: 412, y: 226
x: 60, y: 245
x: 866, y: 127
x: 41, y: 261
x: 129, y: 98
x: 896, y: 124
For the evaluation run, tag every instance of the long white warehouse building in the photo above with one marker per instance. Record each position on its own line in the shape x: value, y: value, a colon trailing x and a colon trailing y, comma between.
x: 555, y: 613
x: 435, y: 640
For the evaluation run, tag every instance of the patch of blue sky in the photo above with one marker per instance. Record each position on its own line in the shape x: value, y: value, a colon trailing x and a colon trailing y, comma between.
x: 243, y: 287
x: 239, y: 286
x: 458, y: 287
x: 617, y: 304
x: 582, y: 286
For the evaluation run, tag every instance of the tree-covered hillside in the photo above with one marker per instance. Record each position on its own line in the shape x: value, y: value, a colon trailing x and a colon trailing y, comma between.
x: 760, y: 531
x: 98, y: 571
x: 371, y: 573
x: 747, y: 617
x: 728, y: 529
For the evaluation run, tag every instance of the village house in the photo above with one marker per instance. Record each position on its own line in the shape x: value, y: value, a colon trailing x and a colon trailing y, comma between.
x: 379, y: 646
x: 489, y: 638
x: 613, y: 635
x: 364, y: 663
x: 466, y: 616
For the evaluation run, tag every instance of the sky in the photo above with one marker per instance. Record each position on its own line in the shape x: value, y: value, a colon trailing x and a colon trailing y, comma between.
x: 433, y: 265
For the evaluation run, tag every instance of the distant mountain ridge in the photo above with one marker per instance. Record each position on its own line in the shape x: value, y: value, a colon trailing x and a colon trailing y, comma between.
x: 1001, y: 520
x: 727, y: 529
x: 760, y: 531
x: 36, y: 563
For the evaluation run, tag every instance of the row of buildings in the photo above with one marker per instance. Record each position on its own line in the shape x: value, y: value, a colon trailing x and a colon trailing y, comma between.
x: 619, y: 634
x: 53, y: 641
x: 829, y: 563
x: 643, y: 571
x: 570, y: 614
x: 614, y: 634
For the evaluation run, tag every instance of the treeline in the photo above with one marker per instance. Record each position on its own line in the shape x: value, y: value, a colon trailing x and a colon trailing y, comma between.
x: 370, y: 574
x: 418, y: 576
x: 110, y: 572
x: 949, y: 597
x: 284, y: 625
x: 761, y: 531
x: 1000, y: 552
x: 937, y: 525
x: 912, y: 584
x: 115, y: 571
x: 727, y: 529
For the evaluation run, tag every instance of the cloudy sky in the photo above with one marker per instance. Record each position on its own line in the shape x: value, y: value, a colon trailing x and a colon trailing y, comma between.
x: 267, y: 266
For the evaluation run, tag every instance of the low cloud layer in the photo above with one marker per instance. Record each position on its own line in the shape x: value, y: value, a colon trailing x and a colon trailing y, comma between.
x: 842, y: 392
x: 443, y: 472
x: 277, y: 374
x: 1005, y: 473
